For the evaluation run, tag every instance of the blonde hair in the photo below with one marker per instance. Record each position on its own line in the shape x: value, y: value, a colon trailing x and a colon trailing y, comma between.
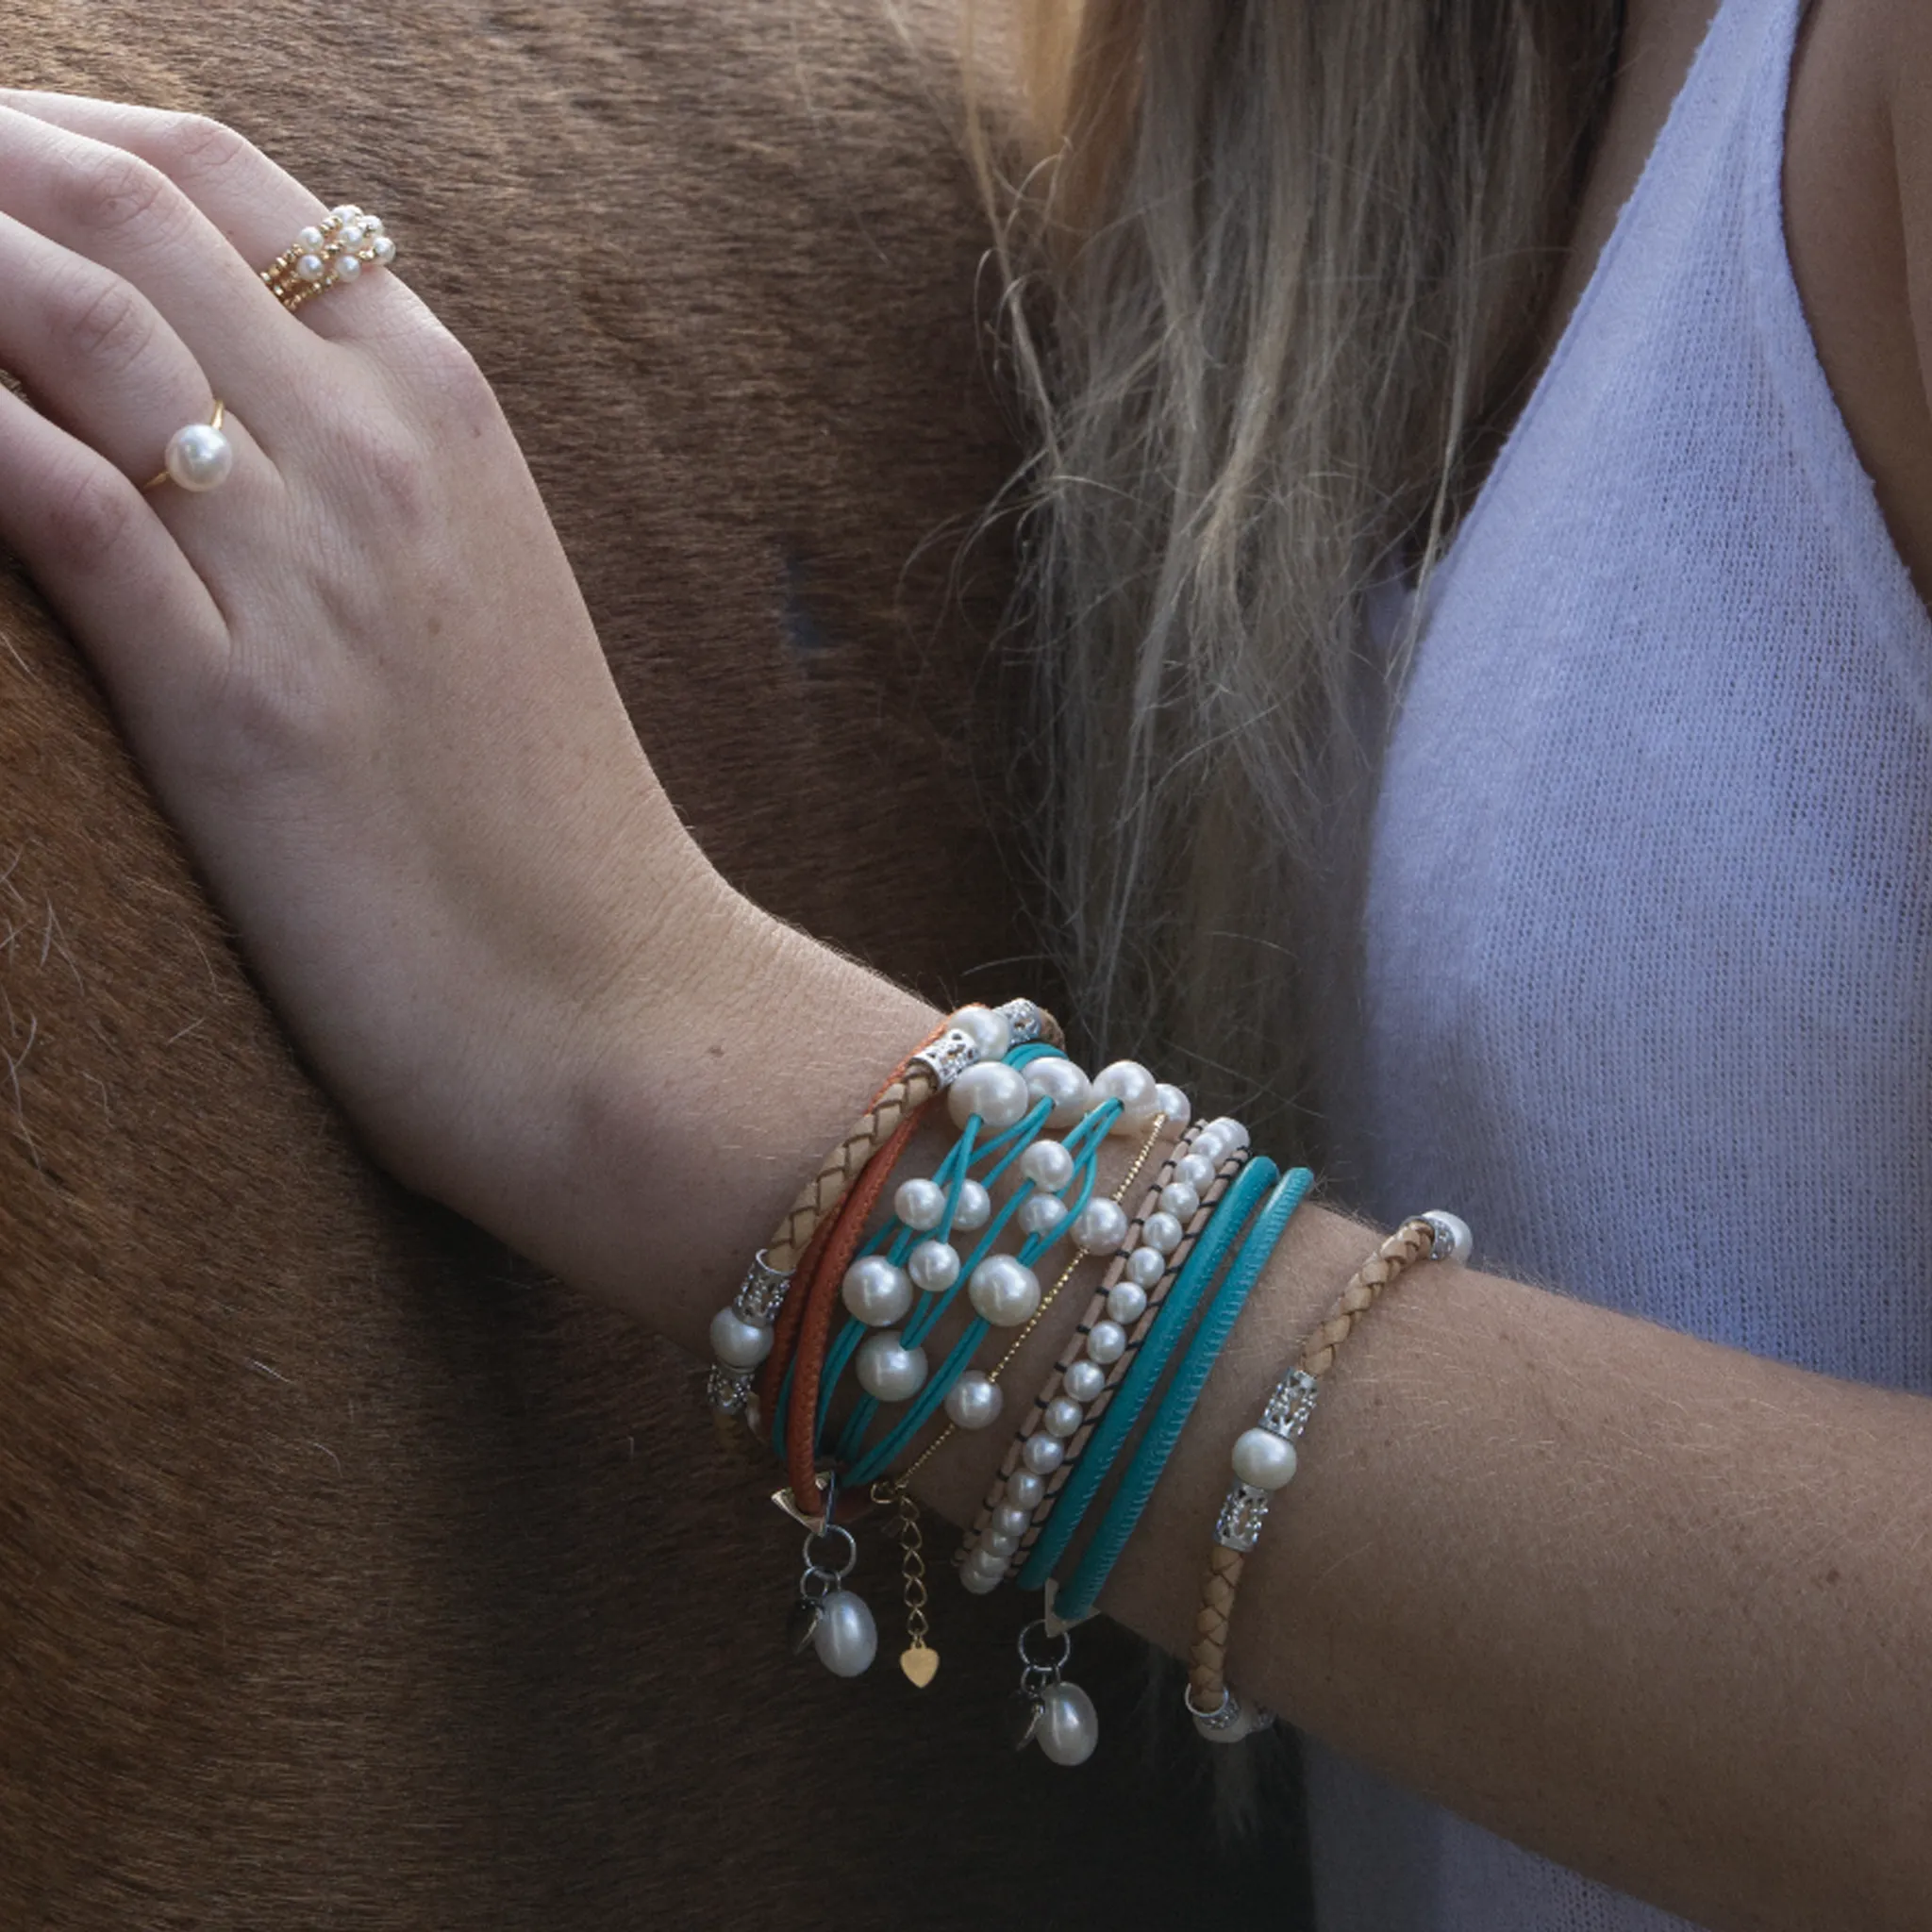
x: 1278, y: 272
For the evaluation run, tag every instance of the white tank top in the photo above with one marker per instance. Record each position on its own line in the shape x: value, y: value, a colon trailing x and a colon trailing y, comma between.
x: 1649, y: 891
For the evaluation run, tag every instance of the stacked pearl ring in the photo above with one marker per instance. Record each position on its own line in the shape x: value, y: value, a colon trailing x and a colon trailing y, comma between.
x: 337, y: 249
x: 198, y: 457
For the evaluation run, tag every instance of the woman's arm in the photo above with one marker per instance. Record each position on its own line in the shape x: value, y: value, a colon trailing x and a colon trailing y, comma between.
x: 1640, y: 1602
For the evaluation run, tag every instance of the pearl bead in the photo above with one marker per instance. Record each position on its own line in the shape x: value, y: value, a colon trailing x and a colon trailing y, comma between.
x: 309, y: 239
x: 973, y: 1208
x: 347, y: 268
x: 992, y: 1091
x: 310, y: 267
x: 1161, y: 1231
x: 1180, y: 1200
x: 1127, y: 1081
x: 1084, y: 1379
x: 1126, y: 1302
x: 1042, y: 1453
x: 1175, y: 1104
x: 1234, y: 1137
x: 345, y: 211
x: 1195, y: 1171
x: 988, y: 1562
x: 1064, y: 1084
x: 1063, y: 1417
x: 980, y: 1582
x: 846, y: 1637
x: 1042, y: 1214
x: 1004, y: 1291
x: 888, y: 1369
x: 1100, y: 1227
x: 1047, y: 1165
x: 351, y: 234
x: 975, y: 1400
x: 1209, y: 1147
x: 876, y: 1293
x: 933, y: 1266
x: 1263, y: 1458
x: 996, y: 1542
x: 1145, y: 1266
x: 1025, y: 1489
x: 989, y: 1031
x: 371, y: 224
x: 920, y: 1205
x: 199, y: 457
x: 385, y: 251
x: 1453, y: 1241
x: 1069, y: 1726
x: 1107, y: 1341
x: 738, y: 1343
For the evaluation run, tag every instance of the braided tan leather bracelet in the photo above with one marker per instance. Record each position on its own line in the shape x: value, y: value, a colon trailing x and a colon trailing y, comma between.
x: 1264, y: 1461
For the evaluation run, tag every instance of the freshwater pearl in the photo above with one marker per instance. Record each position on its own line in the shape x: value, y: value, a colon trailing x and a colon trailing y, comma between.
x: 310, y: 238
x: 876, y: 1293
x: 989, y: 1031
x: 310, y: 267
x: 1084, y: 1380
x: 1063, y: 1417
x: 1196, y: 1172
x: 347, y: 267
x: 199, y: 457
x: 1161, y: 1231
x: 1025, y: 1489
x: 385, y: 251
x: 980, y: 1582
x: 1263, y: 1458
x: 1047, y: 1165
x: 371, y: 224
x: 934, y: 1266
x: 1175, y: 1104
x: 1064, y: 1084
x: 1178, y: 1199
x: 1100, y: 1227
x: 1010, y: 1520
x: 1126, y: 1302
x: 1042, y: 1214
x: 888, y: 1369
x: 920, y: 1205
x: 1234, y: 1137
x: 1069, y: 1725
x: 975, y: 1400
x: 1004, y: 1291
x: 1453, y: 1241
x: 1044, y: 1454
x: 352, y: 234
x: 846, y: 1637
x: 1107, y: 1341
x: 346, y: 212
x: 973, y: 1208
x: 988, y: 1562
x: 1211, y: 1147
x: 1145, y: 1266
x: 997, y: 1542
x: 992, y: 1091
x: 738, y: 1343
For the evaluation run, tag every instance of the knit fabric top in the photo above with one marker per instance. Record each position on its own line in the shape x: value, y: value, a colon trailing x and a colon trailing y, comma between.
x: 1649, y: 882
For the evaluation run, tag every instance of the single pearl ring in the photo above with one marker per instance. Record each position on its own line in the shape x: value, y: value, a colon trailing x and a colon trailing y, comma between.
x: 198, y: 458
x: 336, y: 250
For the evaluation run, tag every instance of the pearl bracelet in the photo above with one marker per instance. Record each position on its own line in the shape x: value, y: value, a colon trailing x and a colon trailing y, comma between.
x: 1264, y: 1461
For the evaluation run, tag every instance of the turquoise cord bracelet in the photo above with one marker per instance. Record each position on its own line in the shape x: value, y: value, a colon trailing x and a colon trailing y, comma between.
x: 1077, y: 1600
x: 1123, y: 1410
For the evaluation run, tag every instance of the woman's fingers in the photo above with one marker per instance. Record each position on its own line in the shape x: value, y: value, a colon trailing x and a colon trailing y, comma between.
x: 257, y: 207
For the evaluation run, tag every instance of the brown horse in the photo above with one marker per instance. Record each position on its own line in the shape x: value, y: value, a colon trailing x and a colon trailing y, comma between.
x: 350, y: 1576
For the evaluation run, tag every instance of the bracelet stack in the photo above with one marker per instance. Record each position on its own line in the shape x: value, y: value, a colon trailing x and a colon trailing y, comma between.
x: 881, y: 1317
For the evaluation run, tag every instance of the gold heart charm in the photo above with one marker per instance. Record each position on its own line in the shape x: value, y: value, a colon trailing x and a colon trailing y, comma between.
x: 920, y: 1663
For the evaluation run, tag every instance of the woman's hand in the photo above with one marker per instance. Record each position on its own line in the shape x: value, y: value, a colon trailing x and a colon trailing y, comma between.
x: 359, y: 673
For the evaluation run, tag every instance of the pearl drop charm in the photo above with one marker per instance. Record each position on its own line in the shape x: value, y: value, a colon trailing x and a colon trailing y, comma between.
x: 933, y: 1266
x: 845, y: 1637
x: 1044, y: 1454
x: 1107, y: 1341
x: 1263, y: 1459
x: 199, y: 457
x: 1126, y: 1302
x: 1063, y: 1417
x: 1069, y: 1726
x: 876, y: 1293
x: 974, y: 1210
x: 975, y: 1400
x: 992, y: 1092
x: 887, y: 1370
x: 919, y: 1203
x: 1047, y: 1165
x: 738, y: 1343
x: 1100, y: 1227
x: 1004, y: 1291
